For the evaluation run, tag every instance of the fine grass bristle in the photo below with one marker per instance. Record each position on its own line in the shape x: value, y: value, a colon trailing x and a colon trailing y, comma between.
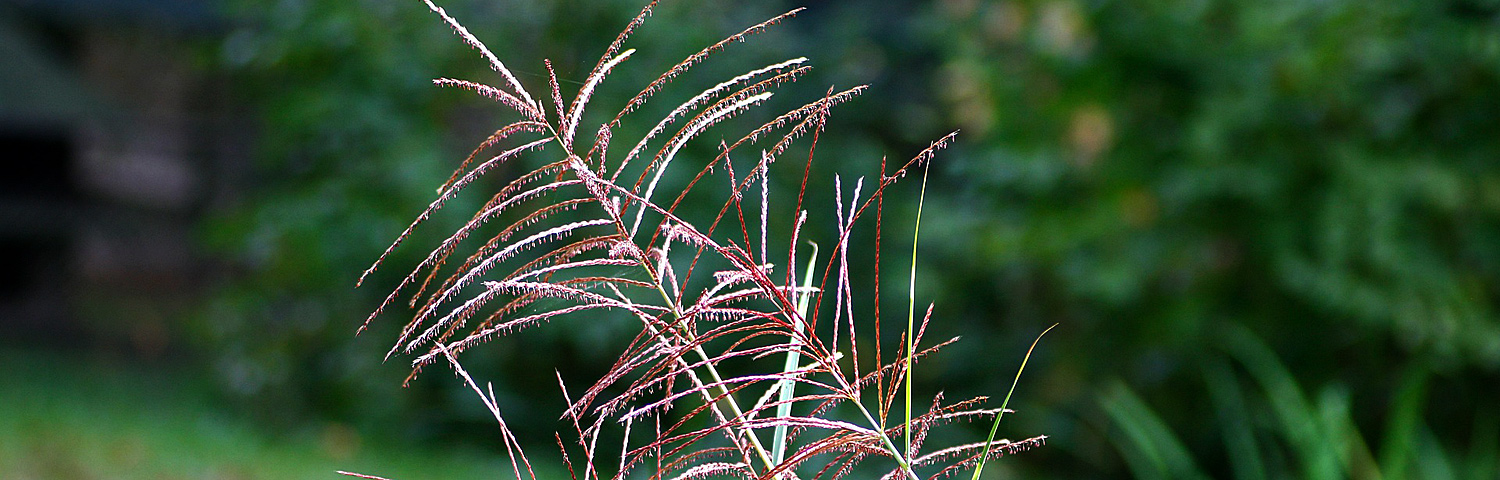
x: 570, y: 235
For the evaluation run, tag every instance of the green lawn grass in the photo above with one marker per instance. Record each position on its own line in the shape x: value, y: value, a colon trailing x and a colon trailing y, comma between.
x: 64, y: 418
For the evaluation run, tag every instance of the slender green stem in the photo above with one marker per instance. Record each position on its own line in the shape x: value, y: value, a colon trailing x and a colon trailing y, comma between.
x: 989, y: 442
x: 896, y: 453
x: 911, y: 310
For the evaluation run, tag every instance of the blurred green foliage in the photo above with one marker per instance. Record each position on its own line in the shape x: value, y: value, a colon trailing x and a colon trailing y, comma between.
x: 1153, y: 174
x: 1337, y: 154
x: 1225, y: 204
x: 347, y: 129
x: 87, y: 417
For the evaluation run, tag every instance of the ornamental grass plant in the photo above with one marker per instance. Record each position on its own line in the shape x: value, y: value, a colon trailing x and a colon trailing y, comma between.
x: 752, y: 357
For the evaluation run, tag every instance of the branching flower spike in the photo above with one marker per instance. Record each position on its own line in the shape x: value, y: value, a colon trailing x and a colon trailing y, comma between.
x: 730, y: 372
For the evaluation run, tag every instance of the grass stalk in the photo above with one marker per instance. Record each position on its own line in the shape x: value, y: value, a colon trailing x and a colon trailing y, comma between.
x: 989, y: 441
x: 911, y: 309
x: 713, y: 372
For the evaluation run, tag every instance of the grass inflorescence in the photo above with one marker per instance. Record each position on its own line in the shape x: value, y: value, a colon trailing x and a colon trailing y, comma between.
x: 592, y: 230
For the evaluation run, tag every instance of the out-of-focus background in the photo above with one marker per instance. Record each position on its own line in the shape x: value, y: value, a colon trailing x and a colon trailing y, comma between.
x: 1270, y: 230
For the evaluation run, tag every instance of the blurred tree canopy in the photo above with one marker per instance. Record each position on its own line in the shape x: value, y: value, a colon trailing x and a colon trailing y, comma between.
x: 1174, y: 182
